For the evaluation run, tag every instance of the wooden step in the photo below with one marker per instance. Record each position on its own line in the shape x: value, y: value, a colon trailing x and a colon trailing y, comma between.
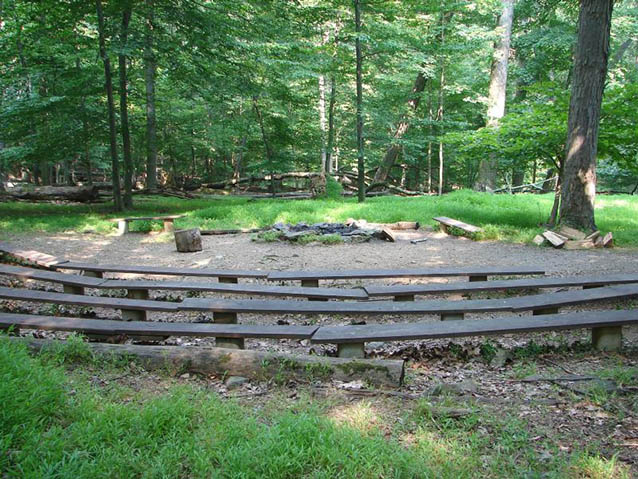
x: 162, y: 270
x: 50, y: 276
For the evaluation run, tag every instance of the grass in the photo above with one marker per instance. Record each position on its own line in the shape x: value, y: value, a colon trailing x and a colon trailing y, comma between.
x: 503, y: 217
x: 56, y: 421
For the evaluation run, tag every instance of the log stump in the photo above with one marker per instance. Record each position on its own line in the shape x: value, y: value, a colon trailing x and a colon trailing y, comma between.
x: 188, y: 241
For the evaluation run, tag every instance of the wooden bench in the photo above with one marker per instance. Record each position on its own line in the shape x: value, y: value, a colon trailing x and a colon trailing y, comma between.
x: 224, y: 276
x: 480, y: 273
x: 606, y: 329
x: 256, y: 289
x: 30, y: 256
x: 446, y: 222
x: 131, y: 309
x: 226, y: 310
x: 123, y: 223
x: 407, y: 292
x: 139, y: 289
x: 111, y: 328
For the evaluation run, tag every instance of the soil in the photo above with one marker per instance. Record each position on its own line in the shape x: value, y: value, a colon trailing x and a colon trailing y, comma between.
x: 570, y: 415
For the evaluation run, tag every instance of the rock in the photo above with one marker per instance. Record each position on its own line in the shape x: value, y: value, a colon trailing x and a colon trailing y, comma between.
x: 295, y: 235
x: 501, y: 357
x: 279, y: 226
x: 457, y: 389
x: 234, y: 382
x: 185, y: 376
x: 376, y: 344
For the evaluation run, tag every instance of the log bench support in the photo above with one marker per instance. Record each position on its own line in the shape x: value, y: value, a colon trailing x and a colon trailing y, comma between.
x: 452, y: 316
x: 169, y: 227
x: 404, y: 297
x: 135, y: 314
x: 351, y: 350
x: 224, y: 342
x: 310, y: 283
x: 122, y: 227
x: 69, y: 289
x: 228, y: 279
x: 478, y: 278
x: 540, y: 311
x: 607, y: 338
x: 93, y: 274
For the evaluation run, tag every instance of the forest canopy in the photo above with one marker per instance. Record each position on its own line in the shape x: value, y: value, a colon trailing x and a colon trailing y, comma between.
x: 206, y: 91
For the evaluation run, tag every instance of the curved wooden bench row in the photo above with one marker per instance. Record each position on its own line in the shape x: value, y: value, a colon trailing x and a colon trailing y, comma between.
x: 404, y: 291
x: 75, y: 284
x: 606, y: 329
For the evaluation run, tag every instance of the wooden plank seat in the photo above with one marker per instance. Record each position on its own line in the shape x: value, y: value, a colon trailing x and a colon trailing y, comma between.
x: 479, y: 273
x: 30, y: 256
x: 403, y: 291
x: 605, y: 325
x: 72, y: 283
x: 132, y: 309
x: 151, y: 328
x: 245, y: 288
x: 223, y: 274
x: 123, y: 223
x: 538, y: 303
x: 447, y: 222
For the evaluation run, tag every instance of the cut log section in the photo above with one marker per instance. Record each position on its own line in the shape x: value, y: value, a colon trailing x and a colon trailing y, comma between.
x: 557, y: 241
x: 188, y: 241
x: 259, y: 365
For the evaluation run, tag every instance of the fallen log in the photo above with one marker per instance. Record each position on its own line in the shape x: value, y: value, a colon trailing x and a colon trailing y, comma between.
x: 231, y: 232
x: 256, y: 179
x: 259, y: 365
x: 81, y: 194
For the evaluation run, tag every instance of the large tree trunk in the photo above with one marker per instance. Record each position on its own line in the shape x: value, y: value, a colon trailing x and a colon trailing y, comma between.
x: 117, y: 198
x: 264, y: 137
x: 498, y: 87
x: 590, y: 70
x: 149, y: 80
x: 392, y: 153
x: 126, y: 136
x: 361, y: 182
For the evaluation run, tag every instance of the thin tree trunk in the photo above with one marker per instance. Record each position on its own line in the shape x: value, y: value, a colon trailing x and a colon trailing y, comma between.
x: 431, y: 128
x: 117, y: 198
x: 126, y: 136
x: 497, y: 93
x: 149, y: 80
x: 439, y: 113
x: 590, y: 70
x: 360, y: 153
x: 331, y: 126
x: 269, y: 154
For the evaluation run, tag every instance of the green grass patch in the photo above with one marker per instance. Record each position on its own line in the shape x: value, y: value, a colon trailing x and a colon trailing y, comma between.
x: 57, y: 421
x: 513, y: 218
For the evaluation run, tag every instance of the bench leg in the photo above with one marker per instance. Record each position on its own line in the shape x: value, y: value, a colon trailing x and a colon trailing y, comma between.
x: 351, y: 350
x: 68, y: 289
x: 230, y: 343
x: 135, y: 314
x: 168, y: 226
x: 93, y: 274
x: 122, y: 227
x: 452, y: 316
x: 309, y: 283
x: 444, y: 228
x: 228, y: 280
x: 404, y: 297
x: 478, y: 278
x: 607, y: 339
x: 538, y: 312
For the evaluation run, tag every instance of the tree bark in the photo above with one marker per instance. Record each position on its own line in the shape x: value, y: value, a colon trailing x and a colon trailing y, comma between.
x: 264, y: 137
x: 117, y: 198
x: 488, y: 167
x: 331, y: 126
x: 392, y: 153
x: 590, y: 69
x: 126, y: 136
x: 359, y: 60
x: 149, y: 80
